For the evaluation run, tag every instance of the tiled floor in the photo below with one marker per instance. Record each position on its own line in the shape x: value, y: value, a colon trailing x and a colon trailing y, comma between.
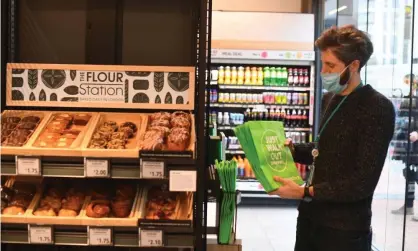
x: 273, y: 228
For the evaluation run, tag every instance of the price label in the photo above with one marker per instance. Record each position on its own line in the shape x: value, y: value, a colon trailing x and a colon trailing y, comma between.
x: 182, y: 181
x: 40, y: 235
x: 100, y: 236
x: 151, y: 238
x: 153, y: 169
x: 97, y: 168
x: 28, y: 166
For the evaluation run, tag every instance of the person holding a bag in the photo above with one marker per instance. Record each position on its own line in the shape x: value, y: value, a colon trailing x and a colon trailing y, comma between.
x: 347, y: 156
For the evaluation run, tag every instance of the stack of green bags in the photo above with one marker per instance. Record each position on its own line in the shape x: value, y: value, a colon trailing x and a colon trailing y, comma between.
x: 263, y: 144
x: 227, y: 171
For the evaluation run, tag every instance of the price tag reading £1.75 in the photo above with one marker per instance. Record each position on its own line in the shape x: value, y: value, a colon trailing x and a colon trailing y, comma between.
x: 152, y: 169
x: 100, y: 236
x: 40, y: 235
x: 97, y: 168
x: 151, y: 238
x: 28, y: 166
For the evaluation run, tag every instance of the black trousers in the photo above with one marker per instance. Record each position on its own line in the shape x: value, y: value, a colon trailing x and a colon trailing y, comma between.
x: 411, y: 175
x: 312, y: 237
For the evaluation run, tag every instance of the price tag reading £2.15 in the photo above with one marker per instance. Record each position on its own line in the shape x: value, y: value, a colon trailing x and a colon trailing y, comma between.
x: 152, y: 169
x: 97, y: 168
x: 151, y: 238
x: 40, y: 235
x: 28, y: 166
x: 100, y: 236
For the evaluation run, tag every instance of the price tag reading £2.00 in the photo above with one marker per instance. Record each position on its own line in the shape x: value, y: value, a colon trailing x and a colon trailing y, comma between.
x: 152, y: 169
x: 96, y: 168
x: 40, y: 235
x: 28, y: 166
x: 151, y: 238
x: 100, y: 236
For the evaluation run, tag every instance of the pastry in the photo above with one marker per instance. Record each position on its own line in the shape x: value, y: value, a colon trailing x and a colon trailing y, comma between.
x: 72, y: 134
x: 180, y: 114
x: 180, y: 122
x: 49, y: 137
x: 27, y: 125
x: 178, y: 139
x: 13, y: 210
x: 107, y: 129
x: 129, y: 133
x: 6, y: 133
x: 112, y: 124
x: 98, y: 144
x: 63, y: 116
x: 116, y: 144
x: 11, y: 120
x: 160, y: 115
x: 45, y: 211
x: 162, y: 129
x: 160, y: 122
x: 8, y: 126
x: 65, y: 144
x: 73, y: 203
x: 81, y: 119
x: 20, y: 200
x: 32, y: 119
x: 130, y: 125
x: 54, y: 203
x: 119, y: 136
x: 98, y: 209
x: 125, y: 191
x: 121, y: 207
x: 67, y: 213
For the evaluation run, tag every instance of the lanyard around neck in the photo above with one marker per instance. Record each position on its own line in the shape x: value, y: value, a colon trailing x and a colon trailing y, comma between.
x: 333, y: 113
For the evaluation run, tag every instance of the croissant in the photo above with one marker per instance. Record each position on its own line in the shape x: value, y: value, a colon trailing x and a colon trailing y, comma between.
x: 98, y: 209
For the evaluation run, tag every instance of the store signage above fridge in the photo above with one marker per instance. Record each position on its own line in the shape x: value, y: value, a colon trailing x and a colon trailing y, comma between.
x: 263, y: 54
x: 148, y: 87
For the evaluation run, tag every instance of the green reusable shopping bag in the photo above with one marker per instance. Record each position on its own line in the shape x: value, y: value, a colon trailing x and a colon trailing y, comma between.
x: 263, y: 144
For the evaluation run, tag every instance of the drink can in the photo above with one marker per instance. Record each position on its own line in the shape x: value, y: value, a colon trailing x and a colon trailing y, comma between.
x: 239, y: 97
x: 260, y: 98
x: 303, y: 137
x: 295, y: 98
x: 297, y: 137
x: 249, y: 98
x: 255, y: 98
x: 232, y: 97
x: 301, y: 98
x: 226, y: 98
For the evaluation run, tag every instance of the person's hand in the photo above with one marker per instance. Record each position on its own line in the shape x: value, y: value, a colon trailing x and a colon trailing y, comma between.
x: 288, y: 190
x: 289, y: 143
x: 413, y: 136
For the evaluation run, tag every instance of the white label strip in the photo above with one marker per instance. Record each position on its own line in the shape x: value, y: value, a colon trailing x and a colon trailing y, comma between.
x: 182, y: 181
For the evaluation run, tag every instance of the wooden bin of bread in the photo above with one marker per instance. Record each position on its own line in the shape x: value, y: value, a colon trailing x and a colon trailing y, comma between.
x: 169, y: 132
x: 17, y: 197
x: 60, y: 203
x: 113, y: 204
x: 63, y: 134
x: 115, y: 135
x: 18, y: 128
x: 159, y: 204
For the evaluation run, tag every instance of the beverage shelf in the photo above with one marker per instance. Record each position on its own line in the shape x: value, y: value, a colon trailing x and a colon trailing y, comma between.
x: 297, y: 129
x: 262, y: 87
x: 238, y: 105
x: 234, y: 152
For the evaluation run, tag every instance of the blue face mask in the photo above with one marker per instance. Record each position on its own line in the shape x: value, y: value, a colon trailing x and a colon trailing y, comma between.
x: 331, y: 82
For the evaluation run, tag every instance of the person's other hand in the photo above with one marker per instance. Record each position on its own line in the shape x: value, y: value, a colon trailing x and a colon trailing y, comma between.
x: 288, y: 190
x: 413, y: 136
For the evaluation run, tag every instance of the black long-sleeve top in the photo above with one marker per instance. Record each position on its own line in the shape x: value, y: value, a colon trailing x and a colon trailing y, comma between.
x: 352, y: 151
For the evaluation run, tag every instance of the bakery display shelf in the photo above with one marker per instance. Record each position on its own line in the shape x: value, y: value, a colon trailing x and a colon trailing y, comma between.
x: 78, y: 236
x: 262, y: 88
x: 238, y: 105
x: 20, y: 115
x: 42, y: 145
